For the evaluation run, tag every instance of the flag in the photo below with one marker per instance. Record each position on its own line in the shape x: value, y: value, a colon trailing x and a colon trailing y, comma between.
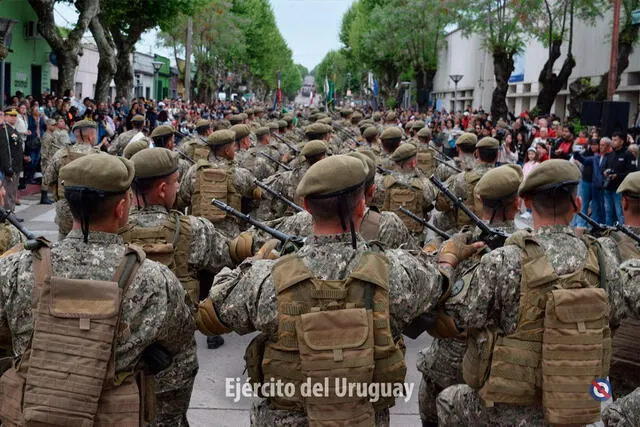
x: 277, y: 99
x: 279, y: 90
x: 330, y: 93
x: 326, y: 93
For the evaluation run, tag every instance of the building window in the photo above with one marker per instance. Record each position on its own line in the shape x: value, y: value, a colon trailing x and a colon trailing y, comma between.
x: 78, y: 90
x: 147, y: 92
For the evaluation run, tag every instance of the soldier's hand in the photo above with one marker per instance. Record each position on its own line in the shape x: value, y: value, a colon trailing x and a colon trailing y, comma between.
x: 454, y: 250
x: 268, y: 250
x: 241, y: 247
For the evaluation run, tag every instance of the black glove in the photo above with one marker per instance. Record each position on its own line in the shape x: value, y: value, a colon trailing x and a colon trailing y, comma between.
x: 9, y: 173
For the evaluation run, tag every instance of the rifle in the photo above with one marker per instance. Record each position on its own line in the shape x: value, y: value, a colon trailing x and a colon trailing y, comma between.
x: 383, y: 171
x: 625, y: 230
x: 297, y: 241
x: 186, y: 157
x: 492, y: 237
x: 278, y: 162
x: 349, y: 135
x: 597, y: 229
x: 278, y: 195
x: 424, y: 222
x: 284, y: 141
x: 444, y: 162
x: 32, y: 242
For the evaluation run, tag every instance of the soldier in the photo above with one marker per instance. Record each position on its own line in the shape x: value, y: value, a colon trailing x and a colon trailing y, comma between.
x: 427, y: 154
x: 164, y: 136
x: 48, y: 147
x: 243, y: 142
x: 522, y: 292
x: 196, y: 146
x: 218, y: 178
x: 390, y: 141
x: 463, y: 184
x: 85, y: 134
x: 133, y: 147
x: 370, y: 135
x: 11, y: 157
x: 390, y: 120
x: 466, y: 146
x: 271, y: 297
x: 441, y: 362
x: 120, y: 143
x: 185, y: 244
x: 90, y: 286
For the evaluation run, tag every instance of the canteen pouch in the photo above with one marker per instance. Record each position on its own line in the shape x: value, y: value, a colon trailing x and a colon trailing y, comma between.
x: 253, y: 358
x: 476, y: 363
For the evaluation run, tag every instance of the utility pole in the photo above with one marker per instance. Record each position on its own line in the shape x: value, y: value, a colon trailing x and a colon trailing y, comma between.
x: 187, y: 61
x: 613, y: 61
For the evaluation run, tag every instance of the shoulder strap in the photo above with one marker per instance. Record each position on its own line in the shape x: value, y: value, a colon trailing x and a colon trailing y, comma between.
x: 389, y: 180
x: 370, y: 225
x: 288, y: 271
x: 42, y: 270
x: 126, y: 271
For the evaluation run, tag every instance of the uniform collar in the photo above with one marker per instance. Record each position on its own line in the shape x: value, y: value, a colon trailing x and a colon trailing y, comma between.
x: 97, y: 237
x: 332, y: 238
x: 555, y: 229
x: 154, y: 209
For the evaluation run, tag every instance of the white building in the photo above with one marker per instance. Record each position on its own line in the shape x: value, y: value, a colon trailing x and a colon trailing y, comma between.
x: 86, y: 73
x: 143, y: 74
x: 591, y: 50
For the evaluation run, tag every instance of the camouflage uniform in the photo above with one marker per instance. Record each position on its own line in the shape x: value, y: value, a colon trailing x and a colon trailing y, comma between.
x: 9, y: 237
x: 465, y: 163
x: 48, y: 146
x: 154, y: 307
x: 258, y: 165
x: 492, y: 298
x: 286, y: 183
x: 63, y: 213
x: 121, y: 141
x: 245, y: 298
x: 189, y: 144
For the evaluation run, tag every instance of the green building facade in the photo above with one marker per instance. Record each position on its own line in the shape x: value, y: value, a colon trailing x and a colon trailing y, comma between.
x: 162, y: 82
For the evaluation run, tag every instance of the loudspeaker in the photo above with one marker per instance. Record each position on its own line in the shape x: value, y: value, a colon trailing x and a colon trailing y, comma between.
x: 591, y: 113
x: 615, y: 117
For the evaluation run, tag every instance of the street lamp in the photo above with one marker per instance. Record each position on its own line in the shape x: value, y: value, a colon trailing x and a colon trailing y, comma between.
x: 456, y: 78
x: 406, y: 96
x: 6, y: 25
x: 156, y: 69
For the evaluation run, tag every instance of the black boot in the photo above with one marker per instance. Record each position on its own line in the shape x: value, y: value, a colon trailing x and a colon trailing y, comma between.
x: 214, y: 342
x: 429, y: 424
x: 44, y: 199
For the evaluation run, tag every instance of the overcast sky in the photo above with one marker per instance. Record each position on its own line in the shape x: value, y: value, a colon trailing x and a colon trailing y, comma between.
x: 310, y: 28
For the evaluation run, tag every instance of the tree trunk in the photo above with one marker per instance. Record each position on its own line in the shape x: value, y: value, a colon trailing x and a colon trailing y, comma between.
x: 552, y: 85
x: 67, y: 63
x: 503, y: 66
x: 123, y: 77
x: 107, y: 62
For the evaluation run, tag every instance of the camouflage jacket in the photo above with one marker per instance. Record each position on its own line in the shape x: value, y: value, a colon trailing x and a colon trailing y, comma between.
x: 121, y: 141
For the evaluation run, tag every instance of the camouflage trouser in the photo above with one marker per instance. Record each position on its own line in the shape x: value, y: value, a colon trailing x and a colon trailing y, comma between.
x: 11, y: 189
x: 623, y: 412
x: 460, y: 405
x: 264, y: 416
x: 64, y: 219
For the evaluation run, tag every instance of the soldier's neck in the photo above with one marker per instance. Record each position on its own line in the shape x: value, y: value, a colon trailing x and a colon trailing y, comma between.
x: 332, y: 228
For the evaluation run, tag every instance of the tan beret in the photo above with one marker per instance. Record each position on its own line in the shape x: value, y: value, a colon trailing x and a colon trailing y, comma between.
x: 549, y: 174
x: 235, y: 119
x: 162, y: 130
x: 249, y: 111
x: 138, y: 118
x: 500, y: 182
x: 273, y: 125
x: 370, y: 132
x: 376, y: 116
x: 221, y: 137
x: 488, y: 142
x: 425, y: 132
x: 391, y: 116
x: 98, y: 172
x: 223, y: 124
x: 155, y: 162
x: 282, y: 124
x: 356, y: 117
x: 262, y: 131
x: 418, y: 124
x: 368, y: 158
x: 202, y: 123
x: 135, y: 146
x: 243, y: 116
x: 631, y: 184
x: 313, y: 148
x: 241, y: 131
x: 392, y: 132
x: 84, y: 124
x: 467, y: 138
x: 346, y: 112
x: 288, y: 118
x: 324, y: 120
x: 332, y: 176
x: 404, y: 152
x: 317, y: 128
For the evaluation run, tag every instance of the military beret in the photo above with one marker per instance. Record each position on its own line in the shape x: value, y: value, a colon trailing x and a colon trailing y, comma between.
x: 11, y: 111
x: 223, y: 124
x: 258, y: 110
x: 155, y: 162
x: 324, y: 120
x: 84, y: 124
x: 243, y: 116
x: 418, y: 124
x: 262, y: 131
x: 241, y: 131
x: 631, y: 185
x: 162, y: 130
x: 221, y: 137
x: 370, y: 132
x: 135, y: 146
x: 368, y: 158
x: 500, y: 182
x: 202, y: 123
x: 356, y: 117
x: 376, y: 116
x: 488, y: 142
x: 273, y: 125
x: 50, y: 122
x: 138, y: 118
x: 98, y: 172
x: 346, y: 112
x: 282, y: 124
x: 425, y: 132
x: 404, y: 152
x: 549, y: 175
x: 235, y: 119
x: 467, y: 138
x: 332, y: 176
x: 392, y: 132
x: 313, y: 148
x: 288, y: 118
x: 317, y: 128
x: 391, y: 116
x: 249, y: 111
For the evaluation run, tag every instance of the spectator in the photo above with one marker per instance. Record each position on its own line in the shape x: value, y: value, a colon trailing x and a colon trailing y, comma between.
x: 618, y: 164
x: 562, y: 148
x: 634, y: 149
x: 37, y: 127
x: 543, y: 152
x: 532, y: 161
x: 590, y: 189
x: 508, y: 152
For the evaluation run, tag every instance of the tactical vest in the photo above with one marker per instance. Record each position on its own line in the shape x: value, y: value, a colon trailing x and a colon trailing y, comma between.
x: 332, y: 330
x: 200, y: 153
x: 411, y: 197
x: 170, y: 245
x: 67, y: 377
x: 562, y: 342
x: 426, y: 159
x: 67, y: 158
x: 471, y: 178
x: 213, y: 183
x: 370, y: 225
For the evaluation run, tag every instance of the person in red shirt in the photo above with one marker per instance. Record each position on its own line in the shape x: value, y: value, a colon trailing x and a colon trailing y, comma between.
x: 563, y: 148
x: 543, y: 152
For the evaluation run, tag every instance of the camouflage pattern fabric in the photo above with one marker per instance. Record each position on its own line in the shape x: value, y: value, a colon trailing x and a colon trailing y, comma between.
x: 118, y: 145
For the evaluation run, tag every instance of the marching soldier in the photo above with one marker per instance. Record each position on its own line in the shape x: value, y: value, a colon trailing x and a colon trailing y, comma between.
x: 120, y: 143
x: 260, y: 166
x: 11, y: 157
x: 465, y: 146
x: 133, y: 147
x: 48, y: 147
x: 390, y: 141
x: 370, y: 135
x: 427, y: 154
x: 196, y: 146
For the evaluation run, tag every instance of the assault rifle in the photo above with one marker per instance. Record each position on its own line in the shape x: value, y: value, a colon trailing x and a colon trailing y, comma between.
x: 492, y: 237
x: 278, y: 195
x: 625, y: 230
x: 597, y: 229
x: 348, y: 134
x: 444, y: 162
x: 424, y: 222
x: 297, y: 241
x: 285, y: 142
x: 383, y: 171
x: 274, y: 160
x: 186, y: 157
x: 33, y: 242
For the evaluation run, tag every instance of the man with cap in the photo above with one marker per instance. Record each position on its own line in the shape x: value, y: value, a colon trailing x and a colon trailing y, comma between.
x: 390, y: 141
x: 99, y: 283
x: 390, y: 120
x: 406, y: 187
x: 323, y: 288
x: 133, y: 147
x: 48, y: 147
x: 195, y: 146
x: 11, y: 157
x: 85, y: 132
x: 118, y: 145
x: 465, y: 160
x: 185, y: 244
x: 256, y: 163
x: 441, y: 362
x: 428, y: 154
x: 463, y: 184
x: 370, y: 136
x: 164, y: 136
x: 520, y: 293
x: 323, y: 132
x: 218, y: 177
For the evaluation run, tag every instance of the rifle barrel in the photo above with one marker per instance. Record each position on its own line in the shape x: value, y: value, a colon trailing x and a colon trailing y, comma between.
x: 278, y: 195
x: 279, y: 163
x: 292, y: 147
x: 424, y: 222
x: 628, y: 232
x: 10, y: 216
x: 445, y: 162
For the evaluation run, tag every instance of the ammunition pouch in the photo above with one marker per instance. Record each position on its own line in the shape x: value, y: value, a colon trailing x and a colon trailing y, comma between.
x: 207, y: 319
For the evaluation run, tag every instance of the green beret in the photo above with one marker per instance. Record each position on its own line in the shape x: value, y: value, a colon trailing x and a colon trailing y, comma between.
x: 631, y: 185
x: 221, y: 137
x: 282, y: 124
x: 404, y: 152
x: 370, y: 132
x: 162, y: 131
x: 273, y: 125
x: 155, y: 162
x: 241, y: 131
x: 202, y: 123
x: 84, y: 124
x: 135, y: 146
x: 425, y: 132
x: 549, y: 175
x: 313, y: 148
x: 317, y: 128
x: 138, y: 118
x: 488, y: 142
x: 235, y: 119
x: 392, y: 132
x: 98, y: 172
x: 500, y: 182
x: 391, y: 116
x: 332, y: 176
x: 262, y: 131
x: 467, y: 138
x: 368, y: 158
x: 418, y: 124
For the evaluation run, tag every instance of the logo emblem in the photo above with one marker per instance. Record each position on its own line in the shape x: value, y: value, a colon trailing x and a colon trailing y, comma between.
x: 601, y: 389
x: 457, y: 288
